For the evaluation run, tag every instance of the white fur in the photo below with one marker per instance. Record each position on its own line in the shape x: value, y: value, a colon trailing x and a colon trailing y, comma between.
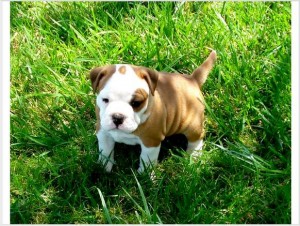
x: 195, y: 148
x: 148, y: 157
x: 126, y: 138
x: 119, y: 90
x: 106, y: 149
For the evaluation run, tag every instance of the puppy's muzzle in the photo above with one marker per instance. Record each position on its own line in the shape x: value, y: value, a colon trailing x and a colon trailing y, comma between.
x: 117, y: 119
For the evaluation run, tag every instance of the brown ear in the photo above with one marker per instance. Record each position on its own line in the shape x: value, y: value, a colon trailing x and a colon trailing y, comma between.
x: 151, y: 77
x: 100, y: 75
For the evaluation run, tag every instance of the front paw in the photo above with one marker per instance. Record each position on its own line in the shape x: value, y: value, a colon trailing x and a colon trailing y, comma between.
x: 141, y: 169
x: 108, y: 167
x: 106, y: 163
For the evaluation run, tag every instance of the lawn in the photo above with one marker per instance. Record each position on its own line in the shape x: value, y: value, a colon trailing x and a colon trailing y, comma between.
x: 244, y: 174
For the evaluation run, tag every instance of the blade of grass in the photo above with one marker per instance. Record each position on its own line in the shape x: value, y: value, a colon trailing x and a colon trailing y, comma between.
x: 105, y: 209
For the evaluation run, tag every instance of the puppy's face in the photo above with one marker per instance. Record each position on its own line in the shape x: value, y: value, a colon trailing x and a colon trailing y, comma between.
x: 122, y: 96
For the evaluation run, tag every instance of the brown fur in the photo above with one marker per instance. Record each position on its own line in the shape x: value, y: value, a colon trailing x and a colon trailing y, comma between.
x: 151, y: 76
x: 100, y: 75
x: 178, y: 113
x: 201, y: 73
x: 141, y: 96
x: 175, y: 106
x: 122, y: 70
x: 178, y: 106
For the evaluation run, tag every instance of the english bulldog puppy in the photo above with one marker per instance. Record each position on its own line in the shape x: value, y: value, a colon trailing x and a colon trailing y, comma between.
x: 138, y: 105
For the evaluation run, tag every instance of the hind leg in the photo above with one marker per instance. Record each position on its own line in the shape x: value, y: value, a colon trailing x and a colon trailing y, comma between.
x: 195, y: 141
x: 195, y: 134
x: 195, y: 148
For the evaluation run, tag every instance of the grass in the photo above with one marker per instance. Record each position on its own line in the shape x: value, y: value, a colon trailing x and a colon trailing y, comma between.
x: 244, y: 175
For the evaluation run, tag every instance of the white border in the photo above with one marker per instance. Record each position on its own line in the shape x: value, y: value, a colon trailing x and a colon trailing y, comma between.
x: 295, y: 113
x: 5, y: 109
x: 4, y: 112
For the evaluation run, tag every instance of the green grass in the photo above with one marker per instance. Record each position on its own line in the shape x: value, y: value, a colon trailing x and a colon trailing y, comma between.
x: 244, y: 173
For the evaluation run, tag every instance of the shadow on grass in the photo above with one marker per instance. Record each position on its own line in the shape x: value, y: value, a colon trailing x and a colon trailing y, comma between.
x: 127, y: 156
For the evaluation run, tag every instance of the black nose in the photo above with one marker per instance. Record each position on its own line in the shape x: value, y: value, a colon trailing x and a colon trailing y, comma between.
x: 117, y: 119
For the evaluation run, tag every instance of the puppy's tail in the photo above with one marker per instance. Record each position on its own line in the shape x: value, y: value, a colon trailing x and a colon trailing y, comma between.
x: 201, y: 73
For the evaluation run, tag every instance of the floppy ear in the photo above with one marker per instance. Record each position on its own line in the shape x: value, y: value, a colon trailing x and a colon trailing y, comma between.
x: 151, y: 77
x: 95, y: 76
x: 100, y: 75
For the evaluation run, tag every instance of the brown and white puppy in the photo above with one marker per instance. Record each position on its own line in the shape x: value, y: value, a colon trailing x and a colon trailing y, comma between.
x: 138, y: 105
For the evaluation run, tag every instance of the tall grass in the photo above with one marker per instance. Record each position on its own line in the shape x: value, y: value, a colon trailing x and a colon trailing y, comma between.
x: 244, y: 173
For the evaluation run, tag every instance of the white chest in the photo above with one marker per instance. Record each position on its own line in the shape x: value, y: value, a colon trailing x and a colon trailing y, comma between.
x: 126, y: 138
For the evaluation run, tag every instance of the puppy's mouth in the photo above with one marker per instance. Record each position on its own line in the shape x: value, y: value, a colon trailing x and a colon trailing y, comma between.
x: 116, y: 128
x: 119, y: 123
x: 119, y: 128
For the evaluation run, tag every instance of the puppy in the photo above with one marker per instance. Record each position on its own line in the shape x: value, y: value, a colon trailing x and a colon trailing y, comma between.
x: 138, y: 105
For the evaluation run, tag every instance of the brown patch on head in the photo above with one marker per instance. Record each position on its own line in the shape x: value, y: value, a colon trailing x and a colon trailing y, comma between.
x: 139, y: 99
x: 100, y: 75
x: 151, y: 76
x: 122, y: 70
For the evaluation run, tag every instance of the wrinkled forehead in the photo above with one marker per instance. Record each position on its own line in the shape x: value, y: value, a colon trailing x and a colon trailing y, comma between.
x: 124, y: 82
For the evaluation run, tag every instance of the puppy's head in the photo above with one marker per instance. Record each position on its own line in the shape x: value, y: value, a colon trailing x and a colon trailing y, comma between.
x: 123, y: 93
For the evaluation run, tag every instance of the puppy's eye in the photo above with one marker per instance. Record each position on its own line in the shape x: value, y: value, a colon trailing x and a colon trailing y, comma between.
x: 135, y: 103
x: 105, y: 100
